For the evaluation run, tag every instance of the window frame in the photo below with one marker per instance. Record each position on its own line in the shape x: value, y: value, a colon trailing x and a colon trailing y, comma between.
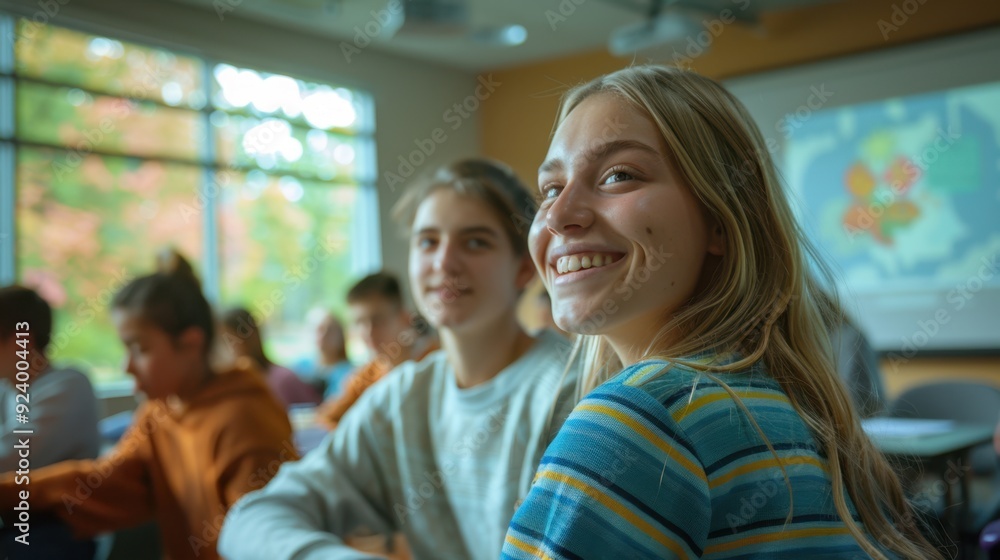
x: 365, y: 234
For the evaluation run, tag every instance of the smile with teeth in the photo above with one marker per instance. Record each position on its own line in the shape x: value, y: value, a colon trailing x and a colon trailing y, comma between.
x: 573, y: 263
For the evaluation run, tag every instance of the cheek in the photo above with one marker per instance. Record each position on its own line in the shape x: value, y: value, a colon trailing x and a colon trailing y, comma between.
x: 141, y: 365
x: 538, y: 240
x: 415, y: 272
x: 414, y: 267
x: 677, y: 229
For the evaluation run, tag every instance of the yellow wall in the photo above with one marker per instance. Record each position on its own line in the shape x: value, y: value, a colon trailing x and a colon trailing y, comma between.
x: 898, y: 378
x: 516, y: 124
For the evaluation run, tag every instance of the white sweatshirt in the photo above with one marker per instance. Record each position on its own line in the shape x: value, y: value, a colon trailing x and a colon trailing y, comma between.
x: 444, y: 466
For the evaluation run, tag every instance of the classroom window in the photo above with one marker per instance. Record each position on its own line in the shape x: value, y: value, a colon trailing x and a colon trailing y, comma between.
x: 114, y: 150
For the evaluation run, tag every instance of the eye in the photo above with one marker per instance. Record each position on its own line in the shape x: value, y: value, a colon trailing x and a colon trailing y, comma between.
x: 425, y: 242
x: 618, y: 176
x: 550, y: 191
x: 477, y: 243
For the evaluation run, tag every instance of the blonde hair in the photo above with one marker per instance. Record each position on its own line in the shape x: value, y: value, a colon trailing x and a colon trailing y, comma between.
x: 762, y: 303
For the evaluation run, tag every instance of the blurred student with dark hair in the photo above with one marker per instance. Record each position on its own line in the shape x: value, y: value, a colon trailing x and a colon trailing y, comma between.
x: 329, y: 369
x: 63, y: 409
x: 202, y: 439
x: 59, y: 418
x: 242, y: 335
x: 379, y: 318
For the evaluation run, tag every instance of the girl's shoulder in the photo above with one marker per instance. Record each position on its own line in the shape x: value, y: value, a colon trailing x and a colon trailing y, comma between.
x: 658, y: 376
x: 681, y: 389
x: 696, y: 410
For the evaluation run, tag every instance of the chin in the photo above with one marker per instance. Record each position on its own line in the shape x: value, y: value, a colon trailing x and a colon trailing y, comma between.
x: 450, y: 322
x: 587, y: 324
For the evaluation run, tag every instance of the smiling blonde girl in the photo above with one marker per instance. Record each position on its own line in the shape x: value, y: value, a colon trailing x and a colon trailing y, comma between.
x: 714, y: 425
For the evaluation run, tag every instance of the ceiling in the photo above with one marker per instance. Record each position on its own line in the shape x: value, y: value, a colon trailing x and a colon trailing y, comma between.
x: 554, y: 27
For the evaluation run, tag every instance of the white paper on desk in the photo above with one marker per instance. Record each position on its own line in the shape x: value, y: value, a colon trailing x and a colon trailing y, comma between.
x: 906, y: 427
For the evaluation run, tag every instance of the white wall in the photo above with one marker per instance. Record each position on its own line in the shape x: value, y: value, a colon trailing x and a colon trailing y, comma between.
x: 410, y: 96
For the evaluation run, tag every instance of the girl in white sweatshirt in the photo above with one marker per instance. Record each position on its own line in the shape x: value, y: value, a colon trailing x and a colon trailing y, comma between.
x: 444, y: 449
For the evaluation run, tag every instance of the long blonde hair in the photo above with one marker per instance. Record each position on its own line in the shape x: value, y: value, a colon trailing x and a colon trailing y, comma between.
x: 762, y: 303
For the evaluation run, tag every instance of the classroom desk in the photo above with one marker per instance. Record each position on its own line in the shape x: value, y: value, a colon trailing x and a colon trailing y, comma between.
x: 942, y: 443
x: 935, y: 440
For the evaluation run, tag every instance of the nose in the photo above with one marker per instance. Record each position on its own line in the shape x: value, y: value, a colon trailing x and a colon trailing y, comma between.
x: 130, y: 365
x: 446, y: 258
x: 571, y: 211
x: 366, y: 330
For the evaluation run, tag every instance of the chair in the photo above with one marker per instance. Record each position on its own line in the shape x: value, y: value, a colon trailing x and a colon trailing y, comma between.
x: 966, y: 402
x: 973, y: 403
x: 989, y: 541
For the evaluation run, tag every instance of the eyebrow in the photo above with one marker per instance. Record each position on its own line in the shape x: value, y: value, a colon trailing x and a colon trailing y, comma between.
x: 130, y: 340
x: 601, y: 151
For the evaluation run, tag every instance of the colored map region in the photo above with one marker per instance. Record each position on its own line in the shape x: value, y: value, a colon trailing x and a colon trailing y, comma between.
x: 903, y: 192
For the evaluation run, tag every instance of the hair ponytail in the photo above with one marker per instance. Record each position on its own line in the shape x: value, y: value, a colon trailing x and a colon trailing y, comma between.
x: 171, y: 298
x: 172, y: 263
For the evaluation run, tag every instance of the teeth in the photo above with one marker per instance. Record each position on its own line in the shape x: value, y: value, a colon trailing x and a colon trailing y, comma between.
x: 574, y: 263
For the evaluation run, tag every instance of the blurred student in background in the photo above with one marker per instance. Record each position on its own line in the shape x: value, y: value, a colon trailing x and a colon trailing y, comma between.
x: 329, y: 368
x: 381, y: 321
x: 857, y: 365
x: 63, y: 408
x: 202, y: 439
x: 439, y: 450
x: 242, y: 335
x: 60, y: 412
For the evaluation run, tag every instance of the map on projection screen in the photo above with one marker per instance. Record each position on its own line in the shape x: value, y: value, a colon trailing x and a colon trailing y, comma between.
x: 904, y: 195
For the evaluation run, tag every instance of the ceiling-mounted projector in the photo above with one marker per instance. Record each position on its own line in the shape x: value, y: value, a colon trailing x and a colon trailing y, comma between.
x: 434, y: 17
x: 658, y: 37
x: 448, y: 18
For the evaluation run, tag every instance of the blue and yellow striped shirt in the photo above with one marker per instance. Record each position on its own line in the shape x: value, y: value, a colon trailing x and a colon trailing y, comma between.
x: 666, y: 465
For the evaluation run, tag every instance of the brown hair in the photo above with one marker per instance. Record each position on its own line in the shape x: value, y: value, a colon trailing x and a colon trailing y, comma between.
x: 20, y: 304
x: 380, y: 284
x: 486, y: 180
x: 241, y: 323
x: 171, y: 298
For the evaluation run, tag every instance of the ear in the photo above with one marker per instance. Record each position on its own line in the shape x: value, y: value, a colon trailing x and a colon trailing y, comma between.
x: 716, y: 237
x: 192, y: 338
x: 525, y: 271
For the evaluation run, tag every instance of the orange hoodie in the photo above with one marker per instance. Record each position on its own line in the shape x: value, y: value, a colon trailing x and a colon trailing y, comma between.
x: 334, y: 408
x: 184, y: 469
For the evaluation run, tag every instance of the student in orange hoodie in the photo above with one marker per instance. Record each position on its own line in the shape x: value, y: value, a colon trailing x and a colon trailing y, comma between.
x: 201, y: 440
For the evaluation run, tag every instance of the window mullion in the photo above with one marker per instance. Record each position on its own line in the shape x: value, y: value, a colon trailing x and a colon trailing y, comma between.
x: 7, y: 154
x: 210, y: 193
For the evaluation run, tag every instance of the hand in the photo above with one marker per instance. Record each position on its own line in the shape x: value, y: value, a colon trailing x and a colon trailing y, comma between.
x: 392, y: 548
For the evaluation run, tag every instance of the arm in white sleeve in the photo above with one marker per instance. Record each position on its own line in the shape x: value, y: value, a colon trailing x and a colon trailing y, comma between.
x: 310, y: 506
